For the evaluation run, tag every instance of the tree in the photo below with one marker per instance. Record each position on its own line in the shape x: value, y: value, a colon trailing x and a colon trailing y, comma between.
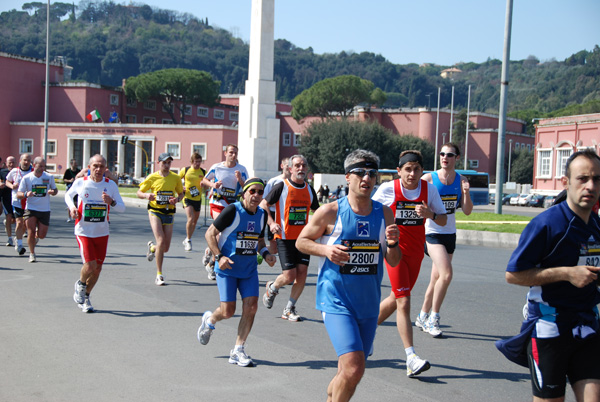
x: 327, y: 143
x: 339, y: 94
x: 522, y: 166
x: 459, y: 129
x: 175, y: 88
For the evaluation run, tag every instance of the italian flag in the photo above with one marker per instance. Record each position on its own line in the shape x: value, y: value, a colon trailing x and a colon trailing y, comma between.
x: 93, y: 116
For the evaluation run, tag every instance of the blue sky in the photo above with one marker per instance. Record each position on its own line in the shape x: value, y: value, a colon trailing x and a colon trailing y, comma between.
x: 409, y: 31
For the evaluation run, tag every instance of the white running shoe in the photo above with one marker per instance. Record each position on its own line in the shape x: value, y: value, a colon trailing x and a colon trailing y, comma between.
x: 419, y: 323
x: 433, y: 327
x: 210, y: 268
x: 159, y: 281
x: 415, y: 365
x: 290, y: 314
x: 32, y: 257
x: 79, y: 295
x: 86, y: 306
x: 240, y: 358
x: 151, y: 250
x: 206, y: 328
x: 207, y: 257
x: 187, y: 245
x: 269, y: 296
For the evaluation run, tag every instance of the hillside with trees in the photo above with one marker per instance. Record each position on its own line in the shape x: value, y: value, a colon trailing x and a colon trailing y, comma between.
x: 106, y: 42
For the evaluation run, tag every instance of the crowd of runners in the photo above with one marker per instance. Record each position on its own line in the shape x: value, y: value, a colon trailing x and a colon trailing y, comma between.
x: 354, y: 237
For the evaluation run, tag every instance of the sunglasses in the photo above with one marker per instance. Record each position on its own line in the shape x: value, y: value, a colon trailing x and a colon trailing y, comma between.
x: 254, y: 191
x: 362, y: 172
x: 448, y: 154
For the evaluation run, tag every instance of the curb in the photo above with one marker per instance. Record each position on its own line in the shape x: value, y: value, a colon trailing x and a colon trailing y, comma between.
x: 487, y: 239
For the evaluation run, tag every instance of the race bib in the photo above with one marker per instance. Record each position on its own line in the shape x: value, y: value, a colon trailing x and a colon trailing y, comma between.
x: 194, y: 192
x: 297, y: 216
x: 246, y: 243
x: 364, y: 257
x: 94, y: 213
x: 39, y: 190
x: 406, y: 214
x: 589, y: 254
x: 163, y: 197
x: 228, y: 194
x: 450, y: 201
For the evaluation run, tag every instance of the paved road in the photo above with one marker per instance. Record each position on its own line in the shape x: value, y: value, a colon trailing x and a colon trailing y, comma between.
x: 141, y: 343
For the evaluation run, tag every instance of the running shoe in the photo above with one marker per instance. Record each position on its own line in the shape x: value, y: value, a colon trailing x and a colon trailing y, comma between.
x: 187, y: 245
x: 159, y: 281
x: 240, y: 358
x: 79, y: 295
x: 32, y: 257
x: 151, y: 250
x: 415, y: 365
x: 419, y: 323
x: 20, y: 250
x: 69, y: 220
x: 206, y: 328
x: 210, y: 268
x: 86, y: 306
x: 433, y: 327
x: 9, y: 242
x: 290, y: 314
x: 207, y: 257
x: 269, y: 296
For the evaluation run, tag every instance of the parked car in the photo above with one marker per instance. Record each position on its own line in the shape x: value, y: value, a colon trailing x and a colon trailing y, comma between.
x: 514, y: 200
x: 548, y: 201
x: 507, y: 197
x: 536, y: 200
x: 524, y: 201
x: 492, y: 198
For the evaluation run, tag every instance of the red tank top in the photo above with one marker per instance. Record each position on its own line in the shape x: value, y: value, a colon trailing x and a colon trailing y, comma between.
x: 412, y: 226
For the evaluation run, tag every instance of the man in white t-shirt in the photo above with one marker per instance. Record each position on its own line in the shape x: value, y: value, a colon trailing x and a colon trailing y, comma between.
x: 36, y: 187
x: 13, y: 179
x: 225, y: 179
x: 97, y: 196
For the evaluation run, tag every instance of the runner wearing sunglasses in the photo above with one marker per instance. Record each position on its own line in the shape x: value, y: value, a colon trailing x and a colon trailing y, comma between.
x: 413, y: 201
x: 441, y: 240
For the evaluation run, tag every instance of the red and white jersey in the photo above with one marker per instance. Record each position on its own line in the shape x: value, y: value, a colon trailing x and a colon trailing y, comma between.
x: 93, y: 212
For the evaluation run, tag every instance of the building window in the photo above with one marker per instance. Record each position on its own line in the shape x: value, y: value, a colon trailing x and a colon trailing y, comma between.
x: 287, y: 139
x: 114, y: 99
x: 50, y: 167
x: 473, y: 163
x: 167, y: 121
x: 130, y: 118
x: 544, y: 163
x: 200, y: 148
x: 529, y: 147
x: 219, y: 114
x: 131, y: 102
x: 516, y: 146
x: 234, y: 116
x: 296, y: 139
x: 150, y: 105
x: 202, y: 111
x: 51, y: 147
x: 561, y: 160
x: 188, y: 110
x: 25, y: 146
x: 149, y: 120
x: 173, y: 148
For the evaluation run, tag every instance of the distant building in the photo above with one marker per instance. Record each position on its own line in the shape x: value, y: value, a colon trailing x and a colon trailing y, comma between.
x: 555, y: 140
x: 450, y: 72
x: 207, y: 130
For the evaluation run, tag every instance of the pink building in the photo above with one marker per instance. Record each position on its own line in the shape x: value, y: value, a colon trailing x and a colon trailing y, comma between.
x: 207, y: 130
x: 555, y: 140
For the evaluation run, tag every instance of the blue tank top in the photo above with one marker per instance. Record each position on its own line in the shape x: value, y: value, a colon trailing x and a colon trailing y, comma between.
x: 450, y: 193
x: 355, y: 288
x: 239, y: 242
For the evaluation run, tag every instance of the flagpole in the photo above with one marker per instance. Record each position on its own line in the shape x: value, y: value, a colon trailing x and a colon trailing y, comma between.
x: 47, y: 80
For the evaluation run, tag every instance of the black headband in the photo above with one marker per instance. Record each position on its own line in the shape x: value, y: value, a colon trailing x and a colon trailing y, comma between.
x: 250, y: 182
x: 362, y: 164
x: 410, y: 157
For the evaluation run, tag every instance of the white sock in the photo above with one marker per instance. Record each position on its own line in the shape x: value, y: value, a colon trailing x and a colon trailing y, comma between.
x: 423, y: 315
x: 410, y: 351
x: 434, y: 315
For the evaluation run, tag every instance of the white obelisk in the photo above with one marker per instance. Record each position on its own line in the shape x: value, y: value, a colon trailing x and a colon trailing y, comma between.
x: 258, y: 130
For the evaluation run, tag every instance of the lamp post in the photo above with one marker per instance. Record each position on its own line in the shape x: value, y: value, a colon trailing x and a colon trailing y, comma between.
x: 444, y: 138
x: 509, y: 155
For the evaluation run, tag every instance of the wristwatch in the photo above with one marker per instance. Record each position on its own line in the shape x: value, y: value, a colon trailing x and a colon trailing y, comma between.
x: 218, y: 256
x: 113, y: 203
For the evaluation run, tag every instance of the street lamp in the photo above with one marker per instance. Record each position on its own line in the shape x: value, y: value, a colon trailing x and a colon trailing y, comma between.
x: 444, y: 138
x: 509, y: 155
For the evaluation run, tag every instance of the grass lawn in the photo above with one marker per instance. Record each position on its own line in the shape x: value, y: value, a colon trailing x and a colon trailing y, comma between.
x: 487, y: 219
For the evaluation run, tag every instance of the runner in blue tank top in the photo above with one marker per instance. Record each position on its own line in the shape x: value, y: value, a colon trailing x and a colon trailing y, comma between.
x: 352, y: 236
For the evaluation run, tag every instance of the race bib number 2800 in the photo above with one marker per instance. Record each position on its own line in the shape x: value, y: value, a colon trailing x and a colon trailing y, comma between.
x: 364, y: 257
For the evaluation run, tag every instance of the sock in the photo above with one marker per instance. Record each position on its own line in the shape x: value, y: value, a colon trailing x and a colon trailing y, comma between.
x: 291, y: 303
x: 273, y: 289
x: 20, y: 242
x: 159, y: 273
x: 82, y: 284
x: 410, y: 351
x: 187, y: 239
x: 239, y: 348
x: 434, y: 315
x: 423, y: 315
